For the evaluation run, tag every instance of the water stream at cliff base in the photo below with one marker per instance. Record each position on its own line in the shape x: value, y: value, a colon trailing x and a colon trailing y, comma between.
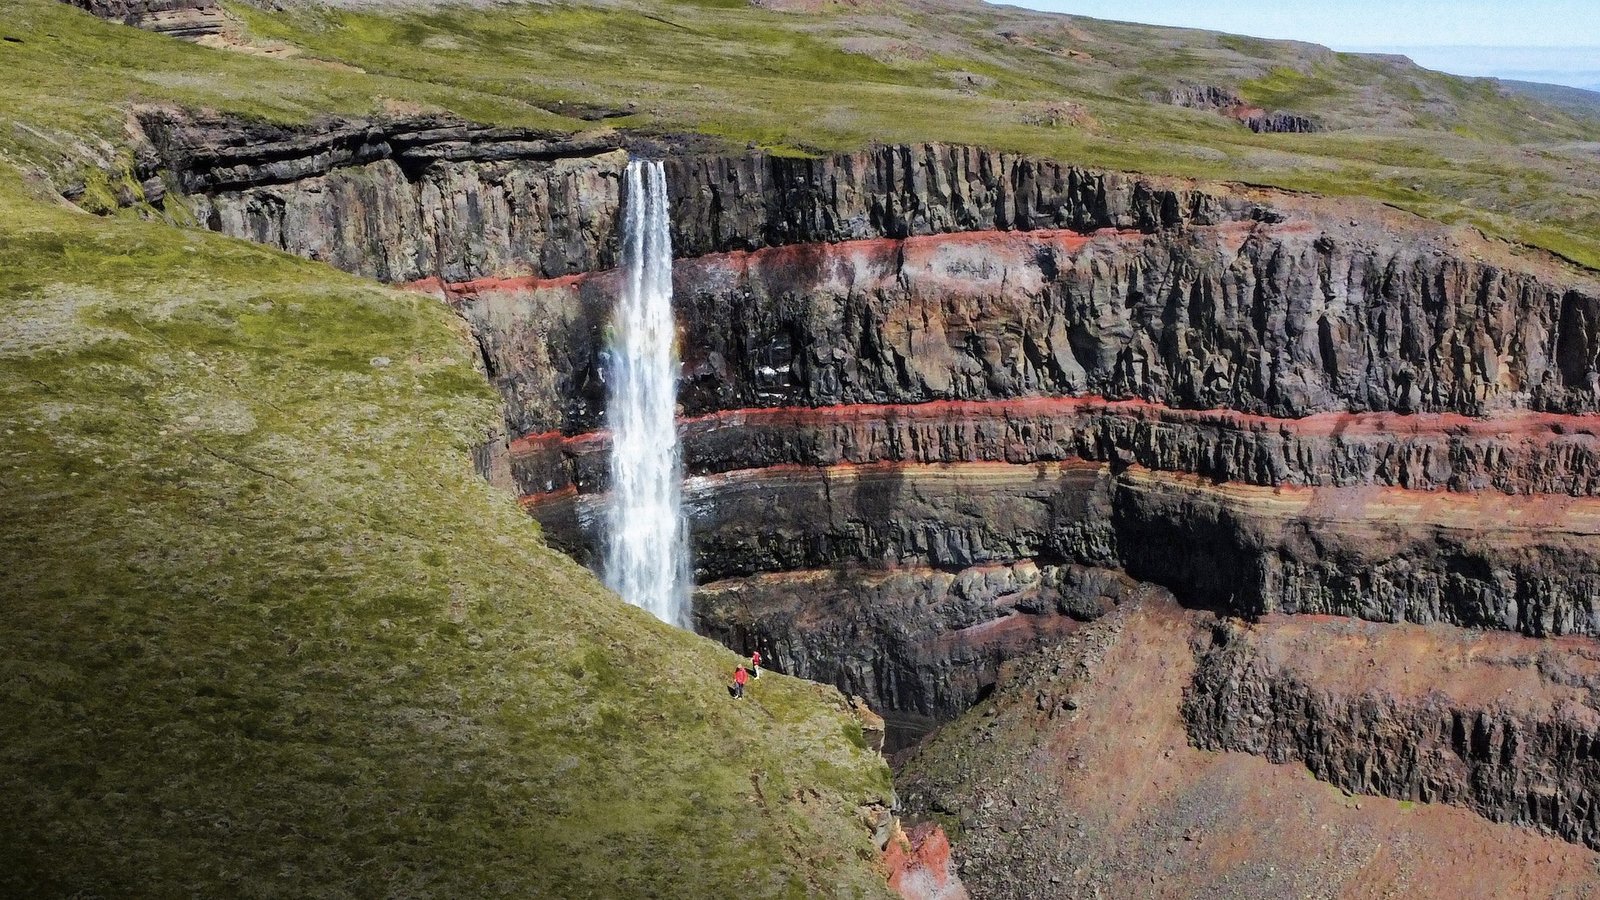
x: 646, y: 559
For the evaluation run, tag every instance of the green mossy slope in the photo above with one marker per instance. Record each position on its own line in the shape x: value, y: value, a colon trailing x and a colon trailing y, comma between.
x: 267, y: 633
x: 1455, y: 149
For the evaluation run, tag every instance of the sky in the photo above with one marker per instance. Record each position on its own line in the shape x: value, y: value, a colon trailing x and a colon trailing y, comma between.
x: 1557, y: 41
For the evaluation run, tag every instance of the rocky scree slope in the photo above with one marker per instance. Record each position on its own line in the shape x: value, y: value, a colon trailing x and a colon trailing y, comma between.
x: 1094, y: 769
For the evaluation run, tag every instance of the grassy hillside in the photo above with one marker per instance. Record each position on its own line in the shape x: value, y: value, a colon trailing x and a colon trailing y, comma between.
x: 267, y: 634
x: 1461, y: 150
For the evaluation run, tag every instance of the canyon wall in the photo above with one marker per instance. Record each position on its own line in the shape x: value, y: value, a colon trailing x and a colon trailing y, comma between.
x: 1136, y: 757
x: 944, y: 408
x: 1505, y: 726
x: 951, y: 359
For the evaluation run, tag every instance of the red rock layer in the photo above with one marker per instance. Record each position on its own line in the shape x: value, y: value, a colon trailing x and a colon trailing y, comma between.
x: 1519, y: 452
x: 920, y: 867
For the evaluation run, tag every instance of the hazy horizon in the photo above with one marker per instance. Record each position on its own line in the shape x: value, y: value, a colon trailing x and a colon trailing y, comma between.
x: 1571, y: 66
x: 1552, y: 41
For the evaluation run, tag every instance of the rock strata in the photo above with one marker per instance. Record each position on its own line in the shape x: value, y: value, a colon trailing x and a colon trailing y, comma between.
x: 1080, y: 776
x: 1227, y: 103
x: 1505, y: 726
x: 1282, y: 320
x: 187, y: 19
x: 947, y: 357
x: 917, y: 641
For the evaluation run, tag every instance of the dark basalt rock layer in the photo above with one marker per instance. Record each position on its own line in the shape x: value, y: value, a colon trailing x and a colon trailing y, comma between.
x: 1283, y: 320
x: 406, y: 199
x: 1505, y: 726
x: 915, y: 641
x: 187, y: 19
x: 1227, y: 103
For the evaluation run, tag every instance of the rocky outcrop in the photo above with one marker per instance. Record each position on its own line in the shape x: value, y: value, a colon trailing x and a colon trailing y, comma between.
x: 909, y: 641
x: 1505, y: 726
x: 1484, y: 561
x: 920, y: 867
x: 1079, y: 775
x: 188, y: 19
x: 399, y: 199
x: 1285, y: 320
x: 1280, y: 122
x: 1227, y: 103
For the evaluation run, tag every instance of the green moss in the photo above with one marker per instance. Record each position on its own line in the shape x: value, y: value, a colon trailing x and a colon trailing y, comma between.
x: 1286, y: 87
x: 272, y: 636
x: 787, y: 82
x: 98, y: 197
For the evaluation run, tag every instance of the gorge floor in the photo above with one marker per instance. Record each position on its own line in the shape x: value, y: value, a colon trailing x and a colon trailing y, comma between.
x: 1080, y: 778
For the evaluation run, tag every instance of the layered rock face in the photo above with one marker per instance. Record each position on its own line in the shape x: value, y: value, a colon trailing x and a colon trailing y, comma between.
x: 1282, y: 320
x: 945, y: 408
x: 1109, y: 765
x: 1505, y: 726
x: 1227, y: 103
x: 188, y: 19
x: 920, y: 642
x: 844, y: 357
x: 950, y: 358
x: 399, y: 200
x: 467, y: 201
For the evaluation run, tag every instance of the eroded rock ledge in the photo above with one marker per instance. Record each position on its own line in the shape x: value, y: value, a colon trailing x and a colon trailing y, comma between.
x: 1505, y: 726
x: 913, y: 641
x: 1519, y: 453
x: 1083, y: 762
x: 346, y: 189
x: 188, y: 19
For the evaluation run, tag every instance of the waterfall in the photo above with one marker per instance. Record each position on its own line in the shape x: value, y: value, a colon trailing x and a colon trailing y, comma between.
x: 647, y: 558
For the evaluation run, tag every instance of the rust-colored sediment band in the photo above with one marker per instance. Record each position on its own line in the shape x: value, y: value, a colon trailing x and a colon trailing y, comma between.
x: 910, y: 249
x: 1517, y: 423
x: 1479, y: 513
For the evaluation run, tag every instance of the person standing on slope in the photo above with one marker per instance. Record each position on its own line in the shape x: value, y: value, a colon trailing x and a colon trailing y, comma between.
x: 740, y: 676
x: 755, y: 664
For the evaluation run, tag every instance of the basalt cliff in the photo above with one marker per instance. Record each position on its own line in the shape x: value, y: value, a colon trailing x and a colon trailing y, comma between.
x: 944, y: 407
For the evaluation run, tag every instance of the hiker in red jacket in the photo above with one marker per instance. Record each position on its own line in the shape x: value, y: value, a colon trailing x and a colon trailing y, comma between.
x: 755, y: 664
x: 740, y: 676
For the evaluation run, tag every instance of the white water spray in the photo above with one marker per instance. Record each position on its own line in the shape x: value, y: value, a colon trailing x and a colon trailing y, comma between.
x: 647, y: 558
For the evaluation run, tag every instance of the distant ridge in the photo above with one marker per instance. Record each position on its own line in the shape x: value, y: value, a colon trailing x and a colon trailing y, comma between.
x: 1575, y: 101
